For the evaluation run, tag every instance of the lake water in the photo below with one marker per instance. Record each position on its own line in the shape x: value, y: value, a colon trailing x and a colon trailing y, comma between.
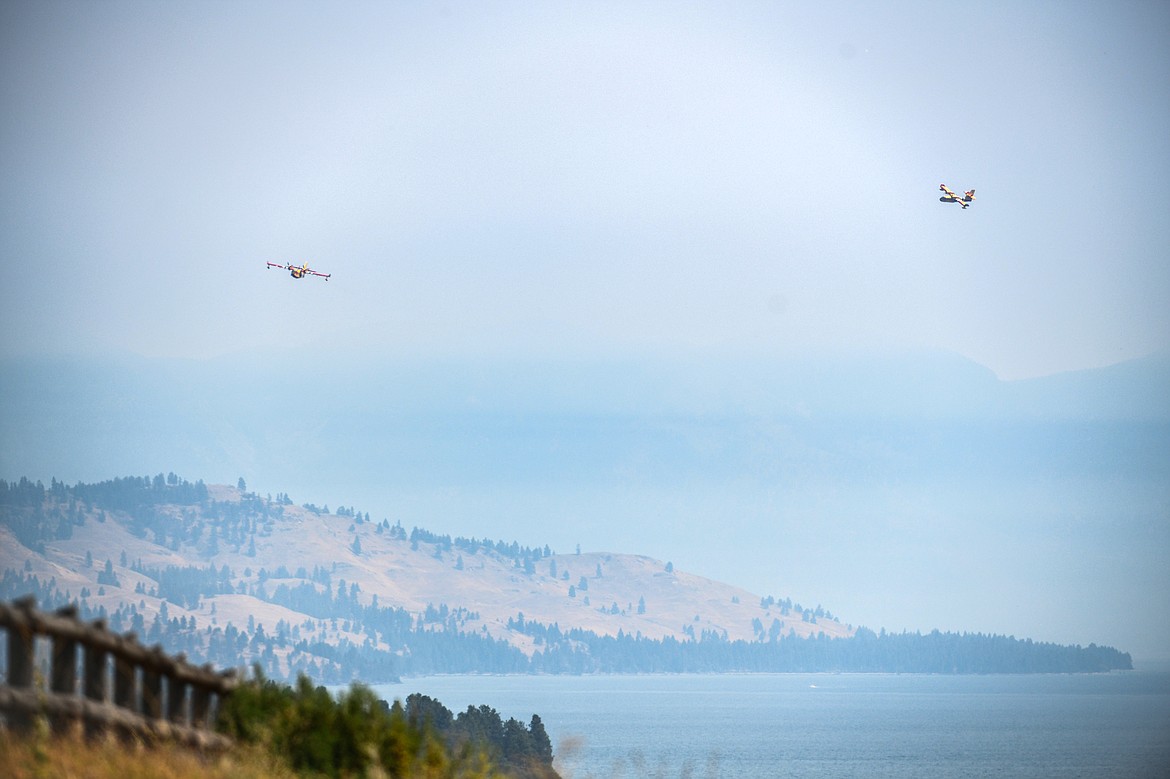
x: 818, y: 725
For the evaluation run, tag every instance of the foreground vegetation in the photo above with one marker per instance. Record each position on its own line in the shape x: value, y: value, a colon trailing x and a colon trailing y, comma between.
x: 358, y: 734
x: 44, y: 756
x: 284, y: 732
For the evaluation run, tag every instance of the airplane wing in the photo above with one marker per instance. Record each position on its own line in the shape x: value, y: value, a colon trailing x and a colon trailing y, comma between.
x: 947, y: 190
x: 299, y: 270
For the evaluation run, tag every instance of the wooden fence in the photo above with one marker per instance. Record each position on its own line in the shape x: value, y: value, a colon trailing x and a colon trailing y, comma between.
x: 152, y: 695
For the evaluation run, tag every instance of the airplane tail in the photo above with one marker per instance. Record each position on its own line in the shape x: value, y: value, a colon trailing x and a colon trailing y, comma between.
x: 969, y: 194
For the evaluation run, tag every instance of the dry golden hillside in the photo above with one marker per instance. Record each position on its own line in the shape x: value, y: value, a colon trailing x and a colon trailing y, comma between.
x: 115, y: 559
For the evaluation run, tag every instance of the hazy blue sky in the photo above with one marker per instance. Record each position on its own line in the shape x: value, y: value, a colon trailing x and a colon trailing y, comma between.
x: 588, y: 178
x: 602, y: 183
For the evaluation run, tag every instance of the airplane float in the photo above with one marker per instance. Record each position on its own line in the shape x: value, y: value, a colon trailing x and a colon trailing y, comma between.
x: 951, y: 197
x: 300, y: 271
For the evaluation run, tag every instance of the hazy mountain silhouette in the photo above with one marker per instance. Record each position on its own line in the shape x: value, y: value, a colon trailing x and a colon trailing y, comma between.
x: 800, y: 475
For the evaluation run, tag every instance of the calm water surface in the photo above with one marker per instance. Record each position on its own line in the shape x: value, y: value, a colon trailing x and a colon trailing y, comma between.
x: 849, y: 725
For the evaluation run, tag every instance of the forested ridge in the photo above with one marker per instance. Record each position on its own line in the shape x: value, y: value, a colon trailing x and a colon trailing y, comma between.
x: 342, y: 633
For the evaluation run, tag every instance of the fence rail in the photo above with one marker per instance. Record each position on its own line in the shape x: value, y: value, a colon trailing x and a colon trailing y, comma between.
x: 153, y: 695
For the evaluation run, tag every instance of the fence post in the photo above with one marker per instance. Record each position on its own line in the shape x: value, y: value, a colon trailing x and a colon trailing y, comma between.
x: 20, y: 657
x: 20, y: 662
x: 177, y: 693
x: 200, y: 706
x: 94, y: 682
x: 124, y: 685
x: 152, y: 693
x: 201, y: 702
x: 152, y: 686
x: 63, y: 668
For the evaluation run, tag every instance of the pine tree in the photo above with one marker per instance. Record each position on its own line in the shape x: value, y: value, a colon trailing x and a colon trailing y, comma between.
x: 542, y: 745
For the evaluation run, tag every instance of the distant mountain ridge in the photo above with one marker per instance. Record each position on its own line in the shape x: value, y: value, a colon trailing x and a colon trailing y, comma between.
x: 225, y: 575
x: 349, y: 424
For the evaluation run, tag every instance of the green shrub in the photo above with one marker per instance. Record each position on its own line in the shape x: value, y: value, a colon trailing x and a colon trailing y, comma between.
x: 357, y: 734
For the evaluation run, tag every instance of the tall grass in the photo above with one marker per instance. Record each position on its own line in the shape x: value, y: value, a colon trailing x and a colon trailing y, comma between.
x: 39, y: 755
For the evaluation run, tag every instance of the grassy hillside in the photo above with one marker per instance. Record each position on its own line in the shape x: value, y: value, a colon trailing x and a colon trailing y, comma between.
x: 150, y: 553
